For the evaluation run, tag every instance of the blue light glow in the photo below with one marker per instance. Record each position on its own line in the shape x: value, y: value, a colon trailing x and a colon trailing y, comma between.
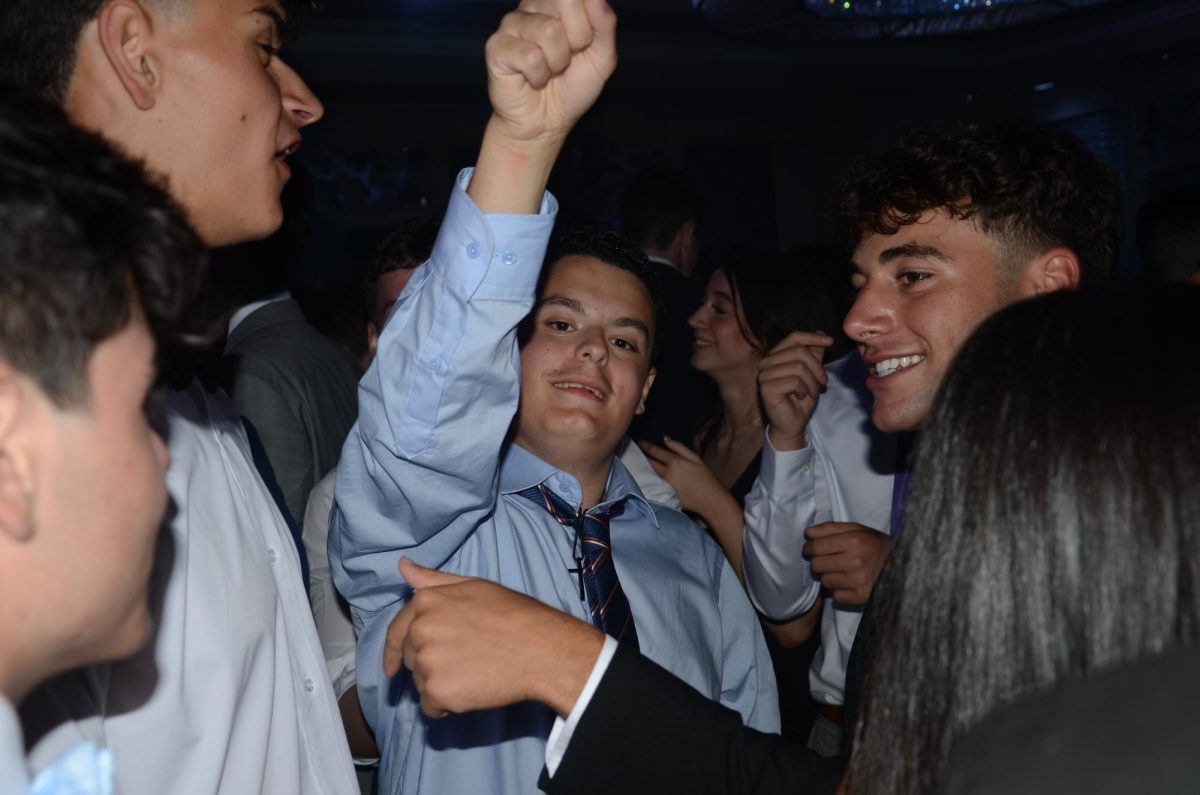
x: 901, y: 9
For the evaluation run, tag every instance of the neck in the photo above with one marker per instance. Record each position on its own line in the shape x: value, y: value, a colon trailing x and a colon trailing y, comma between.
x: 739, y: 400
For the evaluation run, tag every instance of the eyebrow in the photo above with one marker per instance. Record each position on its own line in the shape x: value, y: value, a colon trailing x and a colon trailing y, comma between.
x: 276, y: 17
x: 575, y: 306
x: 912, y: 251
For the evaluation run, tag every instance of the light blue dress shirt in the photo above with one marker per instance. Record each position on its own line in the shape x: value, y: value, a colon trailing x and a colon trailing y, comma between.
x: 426, y: 473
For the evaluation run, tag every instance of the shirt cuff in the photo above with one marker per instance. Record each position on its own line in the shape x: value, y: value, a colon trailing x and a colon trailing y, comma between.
x: 493, y: 256
x: 781, y: 469
x: 560, y: 735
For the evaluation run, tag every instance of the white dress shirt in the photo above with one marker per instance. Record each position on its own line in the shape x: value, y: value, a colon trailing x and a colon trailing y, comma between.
x: 13, y: 778
x: 232, y: 694
x: 844, y: 475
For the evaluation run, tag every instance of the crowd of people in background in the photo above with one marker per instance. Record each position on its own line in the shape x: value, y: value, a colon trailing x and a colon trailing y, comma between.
x: 554, y: 509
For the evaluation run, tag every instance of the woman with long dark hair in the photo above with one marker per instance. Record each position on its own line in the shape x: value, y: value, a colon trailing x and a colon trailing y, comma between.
x: 1054, y: 525
x: 750, y: 305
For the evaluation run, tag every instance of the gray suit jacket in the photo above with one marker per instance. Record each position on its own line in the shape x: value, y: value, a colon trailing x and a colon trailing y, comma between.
x: 300, y: 391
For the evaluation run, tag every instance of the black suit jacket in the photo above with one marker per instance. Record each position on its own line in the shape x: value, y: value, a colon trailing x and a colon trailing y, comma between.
x: 645, y: 731
x: 1135, y: 729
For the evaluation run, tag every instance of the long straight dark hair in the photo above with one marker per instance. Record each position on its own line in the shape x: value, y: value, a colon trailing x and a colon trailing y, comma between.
x: 1053, y: 525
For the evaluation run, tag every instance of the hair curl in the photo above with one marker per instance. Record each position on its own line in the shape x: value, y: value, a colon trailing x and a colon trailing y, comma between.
x: 1029, y: 187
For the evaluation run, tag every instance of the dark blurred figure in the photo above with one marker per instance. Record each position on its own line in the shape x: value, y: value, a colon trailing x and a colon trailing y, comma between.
x: 297, y: 388
x: 661, y: 212
x: 1168, y: 236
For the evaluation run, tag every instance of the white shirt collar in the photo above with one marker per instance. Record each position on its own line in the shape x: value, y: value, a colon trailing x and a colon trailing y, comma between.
x: 13, y: 778
x: 251, y: 308
x: 662, y: 261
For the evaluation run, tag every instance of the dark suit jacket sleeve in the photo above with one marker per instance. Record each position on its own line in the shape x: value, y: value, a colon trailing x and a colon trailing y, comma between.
x: 647, y: 731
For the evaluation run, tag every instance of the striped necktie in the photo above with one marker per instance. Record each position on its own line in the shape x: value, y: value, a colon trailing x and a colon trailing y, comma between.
x: 606, y: 600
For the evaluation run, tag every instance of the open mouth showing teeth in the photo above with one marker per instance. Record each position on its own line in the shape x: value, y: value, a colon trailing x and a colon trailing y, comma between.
x: 889, y: 366
x: 284, y: 154
x: 574, y: 385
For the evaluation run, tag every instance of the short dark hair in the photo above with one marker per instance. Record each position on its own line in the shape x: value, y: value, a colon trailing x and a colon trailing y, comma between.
x: 655, y: 204
x: 617, y: 250
x: 84, y: 237
x: 1054, y: 524
x: 407, y: 246
x: 1030, y: 187
x: 39, y: 39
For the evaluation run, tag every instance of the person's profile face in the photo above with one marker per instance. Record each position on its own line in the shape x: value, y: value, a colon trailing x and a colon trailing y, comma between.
x: 227, y: 117
x: 718, y: 324
x: 921, y: 292
x: 103, y: 497
x: 585, y: 367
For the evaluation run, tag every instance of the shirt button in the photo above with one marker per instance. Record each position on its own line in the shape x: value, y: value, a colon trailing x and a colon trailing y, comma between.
x: 806, y: 468
x: 473, y: 250
x: 436, y: 364
x: 271, y: 555
x: 509, y: 257
x: 309, y: 686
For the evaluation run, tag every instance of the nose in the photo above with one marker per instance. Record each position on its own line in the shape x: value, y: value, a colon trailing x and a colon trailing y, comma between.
x: 869, y: 317
x: 699, y: 318
x: 593, y: 346
x: 300, y: 103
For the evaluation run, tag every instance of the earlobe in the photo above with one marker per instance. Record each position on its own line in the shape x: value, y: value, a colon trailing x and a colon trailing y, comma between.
x: 16, y: 487
x: 125, y: 31
x: 641, y: 406
x: 1057, y: 269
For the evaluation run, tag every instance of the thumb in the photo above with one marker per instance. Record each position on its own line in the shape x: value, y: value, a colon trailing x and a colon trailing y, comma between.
x: 421, y: 577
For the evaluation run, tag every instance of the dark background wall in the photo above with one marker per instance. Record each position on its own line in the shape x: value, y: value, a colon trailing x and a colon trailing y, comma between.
x: 755, y: 99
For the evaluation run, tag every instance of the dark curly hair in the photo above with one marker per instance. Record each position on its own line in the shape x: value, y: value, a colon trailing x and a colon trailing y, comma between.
x: 39, y: 39
x: 612, y: 248
x: 1029, y: 187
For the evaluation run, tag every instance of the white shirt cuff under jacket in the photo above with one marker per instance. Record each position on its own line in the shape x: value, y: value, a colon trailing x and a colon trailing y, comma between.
x: 560, y: 735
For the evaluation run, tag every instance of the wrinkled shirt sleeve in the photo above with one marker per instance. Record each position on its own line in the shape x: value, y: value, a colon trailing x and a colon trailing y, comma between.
x: 418, y: 472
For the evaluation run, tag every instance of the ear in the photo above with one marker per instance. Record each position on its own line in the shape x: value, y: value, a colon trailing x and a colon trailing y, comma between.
x: 16, y: 479
x: 1056, y: 269
x: 641, y: 406
x: 125, y: 32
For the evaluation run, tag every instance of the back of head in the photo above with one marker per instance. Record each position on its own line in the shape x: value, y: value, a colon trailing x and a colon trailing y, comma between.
x: 39, y: 39
x: 1031, y: 188
x: 655, y: 204
x: 1054, y: 524
x: 83, y: 238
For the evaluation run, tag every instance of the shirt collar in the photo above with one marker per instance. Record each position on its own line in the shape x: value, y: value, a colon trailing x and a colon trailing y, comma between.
x: 520, y: 469
x: 662, y: 261
x: 249, y: 309
x: 12, y: 753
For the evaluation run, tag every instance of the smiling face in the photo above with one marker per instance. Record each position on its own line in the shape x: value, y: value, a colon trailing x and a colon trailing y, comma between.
x: 217, y: 110
x: 921, y: 292
x: 585, y: 368
x: 720, y: 346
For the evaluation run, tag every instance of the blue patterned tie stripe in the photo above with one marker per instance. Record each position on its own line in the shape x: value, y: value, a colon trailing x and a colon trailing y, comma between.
x: 606, y: 600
